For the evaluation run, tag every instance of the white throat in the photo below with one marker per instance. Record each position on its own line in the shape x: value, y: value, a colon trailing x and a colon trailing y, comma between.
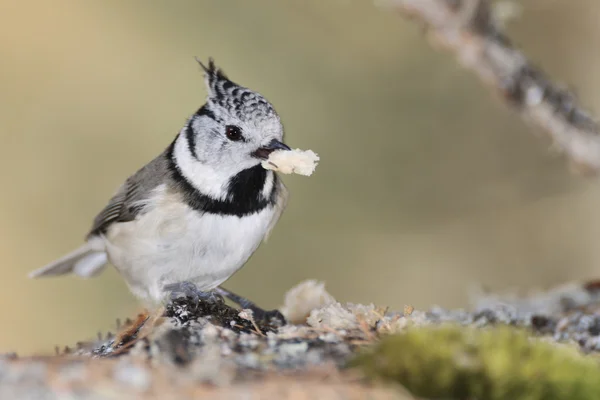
x: 204, y: 178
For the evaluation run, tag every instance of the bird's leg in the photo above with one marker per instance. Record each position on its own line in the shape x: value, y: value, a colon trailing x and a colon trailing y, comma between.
x: 191, y: 291
x: 258, y: 313
x: 237, y: 299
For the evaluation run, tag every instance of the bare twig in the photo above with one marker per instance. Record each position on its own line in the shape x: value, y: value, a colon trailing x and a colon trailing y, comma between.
x: 468, y: 29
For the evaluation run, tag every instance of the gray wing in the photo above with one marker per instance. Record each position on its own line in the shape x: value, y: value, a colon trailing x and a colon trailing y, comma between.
x: 128, y: 201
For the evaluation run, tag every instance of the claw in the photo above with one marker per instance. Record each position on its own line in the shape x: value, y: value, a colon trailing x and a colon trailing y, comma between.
x: 268, y: 315
x: 259, y: 313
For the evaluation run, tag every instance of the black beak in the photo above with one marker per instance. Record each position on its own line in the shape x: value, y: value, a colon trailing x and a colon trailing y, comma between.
x: 263, y: 152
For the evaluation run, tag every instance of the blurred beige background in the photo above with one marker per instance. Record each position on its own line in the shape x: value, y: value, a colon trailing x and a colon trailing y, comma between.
x: 427, y: 185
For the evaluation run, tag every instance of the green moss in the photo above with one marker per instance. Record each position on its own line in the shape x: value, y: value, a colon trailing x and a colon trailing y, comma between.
x: 493, y: 364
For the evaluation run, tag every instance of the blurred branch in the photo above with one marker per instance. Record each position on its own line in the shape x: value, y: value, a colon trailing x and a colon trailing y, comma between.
x: 471, y: 30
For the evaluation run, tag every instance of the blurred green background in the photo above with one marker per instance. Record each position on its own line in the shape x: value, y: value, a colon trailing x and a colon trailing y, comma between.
x: 427, y: 185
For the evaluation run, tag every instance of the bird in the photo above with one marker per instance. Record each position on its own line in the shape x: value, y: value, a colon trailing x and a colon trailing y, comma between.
x: 190, y: 218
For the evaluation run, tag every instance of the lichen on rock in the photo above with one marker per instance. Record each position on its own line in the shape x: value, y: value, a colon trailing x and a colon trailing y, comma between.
x: 499, y: 363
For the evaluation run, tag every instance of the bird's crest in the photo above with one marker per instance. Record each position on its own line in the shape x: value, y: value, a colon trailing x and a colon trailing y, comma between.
x: 212, y: 74
x: 244, y: 103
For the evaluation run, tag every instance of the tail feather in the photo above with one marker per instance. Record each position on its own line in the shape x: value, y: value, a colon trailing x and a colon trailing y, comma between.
x: 86, y: 261
x: 90, y: 265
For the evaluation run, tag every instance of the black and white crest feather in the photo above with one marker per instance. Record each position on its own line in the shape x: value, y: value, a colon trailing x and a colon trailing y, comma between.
x: 239, y: 101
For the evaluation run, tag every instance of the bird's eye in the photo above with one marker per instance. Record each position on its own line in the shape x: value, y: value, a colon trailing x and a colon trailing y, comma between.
x: 233, y: 133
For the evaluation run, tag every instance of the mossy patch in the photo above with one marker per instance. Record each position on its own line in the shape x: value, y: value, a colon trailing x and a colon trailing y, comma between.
x: 500, y: 363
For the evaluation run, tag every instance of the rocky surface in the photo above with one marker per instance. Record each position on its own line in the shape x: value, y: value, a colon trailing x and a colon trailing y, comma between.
x: 187, y: 348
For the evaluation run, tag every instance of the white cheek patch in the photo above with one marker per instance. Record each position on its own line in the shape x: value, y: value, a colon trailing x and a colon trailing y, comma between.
x: 302, y: 162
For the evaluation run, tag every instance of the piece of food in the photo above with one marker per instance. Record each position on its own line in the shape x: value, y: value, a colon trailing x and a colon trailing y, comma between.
x: 295, y: 161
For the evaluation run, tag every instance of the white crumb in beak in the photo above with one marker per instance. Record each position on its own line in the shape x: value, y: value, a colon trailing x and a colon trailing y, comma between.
x: 303, y: 298
x: 295, y: 161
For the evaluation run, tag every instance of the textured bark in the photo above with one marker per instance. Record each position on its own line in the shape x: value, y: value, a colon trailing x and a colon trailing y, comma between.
x: 470, y: 30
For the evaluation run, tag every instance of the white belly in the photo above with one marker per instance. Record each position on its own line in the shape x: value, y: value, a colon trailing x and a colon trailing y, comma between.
x: 172, y: 243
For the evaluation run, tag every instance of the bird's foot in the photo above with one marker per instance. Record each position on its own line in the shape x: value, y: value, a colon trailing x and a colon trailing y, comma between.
x: 189, y: 290
x: 267, y: 315
x: 257, y: 313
